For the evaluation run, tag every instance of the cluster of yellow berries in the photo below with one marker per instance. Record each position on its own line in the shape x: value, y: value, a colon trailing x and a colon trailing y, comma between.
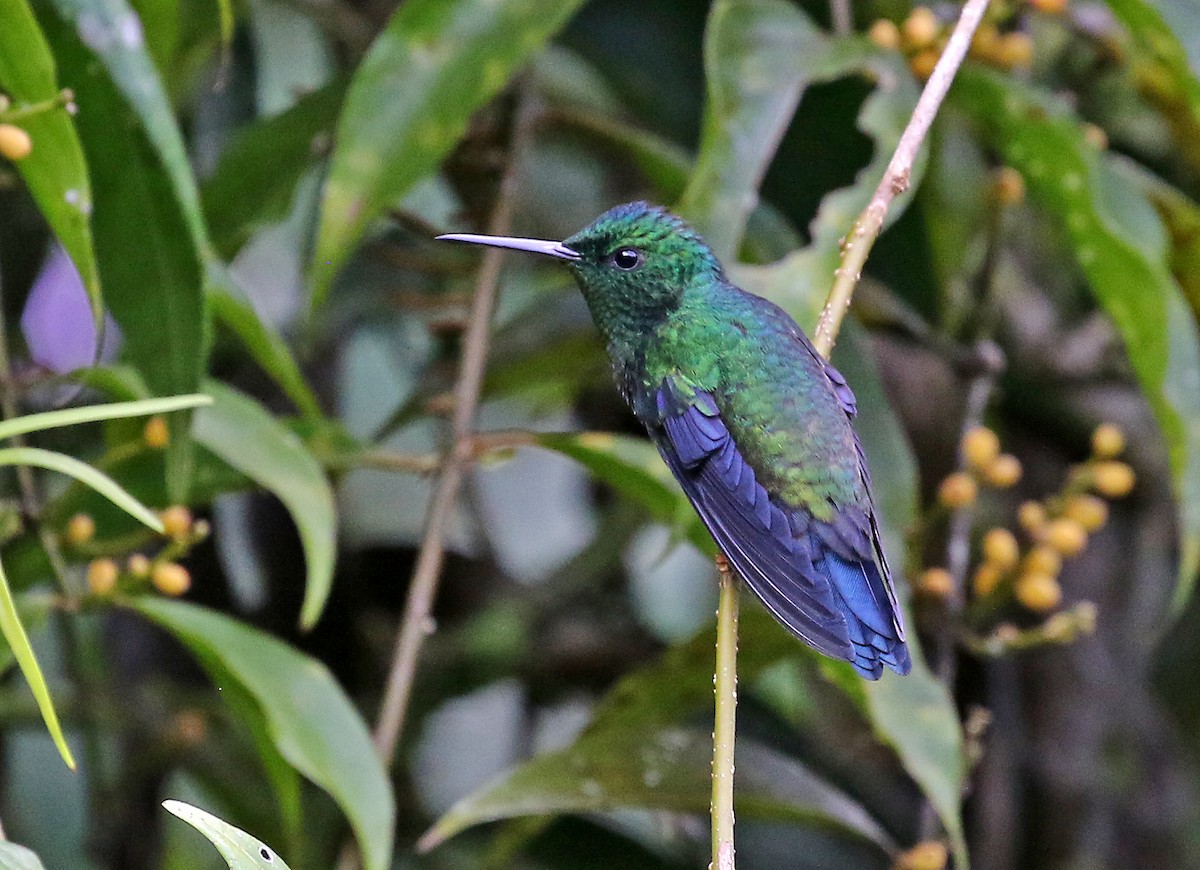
x: 1057, y: 528
x: 922, y: 37
x: 104, y: 575
x: 984, y: 465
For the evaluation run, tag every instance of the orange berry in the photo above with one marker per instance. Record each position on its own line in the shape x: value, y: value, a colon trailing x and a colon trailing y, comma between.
x: 986, y: 578
x: 1004, y: 472
x: 102, y: 576
x: 929, y: 855
x: 885, y: 34
x: 1038, y: 592
x: 1108, y: 441
x: 1066, y: 536
x: 1050, y: 7
x: 958, y: 490
x: 1032, y: 516
x: 1089, y: 511
x: 936, y: 583
x: 156, y: 433
x: 1042, y: 559
x: 923, y: 62
x: 1015, y: 50
x: 985, y: 44
x: 81, y: 528
x: 15, y: 143
x: 1008, y: 186
x: 1113, y: 479
x: 980, y: 447
x: 170, y: 578
x: 1000, y: 547
x: 921, y: 28
x: 177, y: 521
x: 138, y: 566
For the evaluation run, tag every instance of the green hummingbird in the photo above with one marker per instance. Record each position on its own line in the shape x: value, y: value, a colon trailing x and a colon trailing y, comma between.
x: 750, y: 418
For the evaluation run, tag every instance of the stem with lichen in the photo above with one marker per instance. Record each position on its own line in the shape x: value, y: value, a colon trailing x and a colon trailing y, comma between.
x: 725, y: 688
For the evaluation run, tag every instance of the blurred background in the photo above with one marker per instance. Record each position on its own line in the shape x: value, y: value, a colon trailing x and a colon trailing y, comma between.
x: 242, y: 196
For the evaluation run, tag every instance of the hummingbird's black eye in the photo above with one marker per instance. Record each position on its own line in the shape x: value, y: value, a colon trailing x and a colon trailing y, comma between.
x: 627, y: 259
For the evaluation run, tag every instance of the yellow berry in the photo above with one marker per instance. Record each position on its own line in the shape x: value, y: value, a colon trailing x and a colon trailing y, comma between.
x: 1015, y: 50
x: 1095, y: 136
x: 986, y: 578
x: 156, y: 434
x: 885, y: 34
x: 921, y: 28
x: 102, y: 576
x: 923, y: 62
x: 985, y: 45
x: 1050, y: 7
x: 1066, y: 536
x: 936, y: 583
x: 138, y: 566
x: 1087, y: 510
x: 958, y: 490
x: 1004, y: 472
x: 15, y: 143
x: 171, y: 578
x: 1113, y: 479
x: 980, y: 447
x: 177, y: 521
x: 1108, y: 441
x: 1042, y: 559
x: 929, y: 855
x: 81, y: 528
x: 1032, y: 516
x: 1008, y: 186
x: 1000, y: 547
x: 1038, y: 592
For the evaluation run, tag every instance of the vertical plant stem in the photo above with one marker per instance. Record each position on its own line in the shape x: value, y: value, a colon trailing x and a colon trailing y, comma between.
x: 895, y: 179
x: 417, y: 622
x: 725, y: 688
x: 841, y: 16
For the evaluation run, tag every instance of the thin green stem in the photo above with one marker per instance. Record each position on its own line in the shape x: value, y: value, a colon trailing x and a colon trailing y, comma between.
x: 725, y: 687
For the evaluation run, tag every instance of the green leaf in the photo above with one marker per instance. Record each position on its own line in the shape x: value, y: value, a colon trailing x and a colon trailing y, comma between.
x: 308, y: 716
x: 14, y: 857
x: 239, y: 849
x: 92, y: 413
x: 246, y: 436
x: 152, y: 277
x: 1122, y: 249
x: 18, y: 642
x: 85, y: 474
x: 239, y: 197
x: 665, y: 769
x: 431, y: 68
x: 55, y: 170
x: 267, y: 347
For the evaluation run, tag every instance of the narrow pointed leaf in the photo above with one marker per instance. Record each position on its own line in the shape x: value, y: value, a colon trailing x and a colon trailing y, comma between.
x: 55, y: 171
x: 309, y: 718
x: 249, y: 438
x: 239, y: 849
x: 92, y: 413
x: 436, y: 62
x: 18, y: 642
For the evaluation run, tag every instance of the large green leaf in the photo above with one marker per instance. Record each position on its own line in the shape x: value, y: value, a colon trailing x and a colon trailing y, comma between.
x: 55, y: 170
x: 14, y: 857
x: 1122, y: 249
x: 431, y: 68
x: 149, y: 262
x: 664, y: 769
x: 249, y: 438
x: 239, y: 849
x: 309, y: 718
x: 14, y: 635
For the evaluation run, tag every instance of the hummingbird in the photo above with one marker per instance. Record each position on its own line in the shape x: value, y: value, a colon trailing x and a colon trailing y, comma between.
x: 752, y: 421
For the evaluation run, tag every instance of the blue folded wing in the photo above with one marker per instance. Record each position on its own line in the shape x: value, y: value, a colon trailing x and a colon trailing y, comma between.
x: 821, y: 580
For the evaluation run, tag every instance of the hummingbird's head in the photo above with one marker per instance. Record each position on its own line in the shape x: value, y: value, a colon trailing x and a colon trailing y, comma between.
x: 633, y: 264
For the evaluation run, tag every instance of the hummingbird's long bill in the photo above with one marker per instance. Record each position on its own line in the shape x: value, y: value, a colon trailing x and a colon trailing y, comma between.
x: 533, y: 246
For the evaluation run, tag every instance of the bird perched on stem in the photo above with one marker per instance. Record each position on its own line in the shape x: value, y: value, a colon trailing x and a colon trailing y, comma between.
x: 751, y: 419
